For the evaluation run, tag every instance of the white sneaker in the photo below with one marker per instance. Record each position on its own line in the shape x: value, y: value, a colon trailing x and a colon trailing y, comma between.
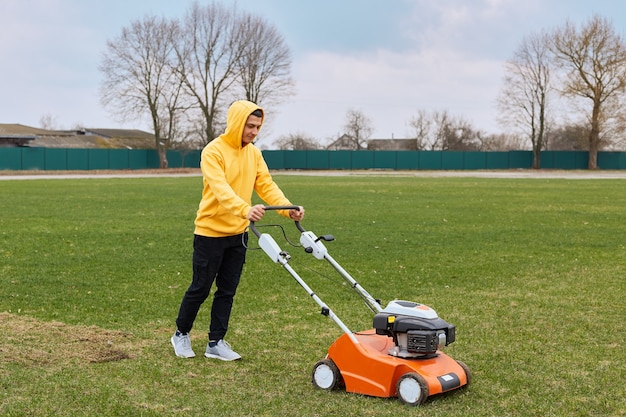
x: 222, y: 351
x: 182, y: 346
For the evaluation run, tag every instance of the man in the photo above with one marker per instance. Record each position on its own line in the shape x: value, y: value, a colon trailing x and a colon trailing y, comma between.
x: 232, y: 168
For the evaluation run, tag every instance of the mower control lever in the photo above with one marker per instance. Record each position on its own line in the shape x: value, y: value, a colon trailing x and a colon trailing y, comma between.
x: 320, y: 248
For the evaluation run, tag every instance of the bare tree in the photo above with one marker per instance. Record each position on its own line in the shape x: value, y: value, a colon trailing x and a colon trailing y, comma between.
x: 209, y: 51
x: 48, y: 122
x: 439, y: 130
x: 358, y: 128
x: 456, y: 133
x: 594, y: 58
x: 183, y: 74
x: 501, y: 142
x: 421, y: 125
x: 139, y: 80
x: 297, y: 141
x: 265, y: 64
x: 440, y: 123
x: 523, y: 100
x: 570, y: 137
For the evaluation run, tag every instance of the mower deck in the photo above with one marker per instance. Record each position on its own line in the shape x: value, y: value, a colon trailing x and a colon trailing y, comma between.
x: 367, y: 368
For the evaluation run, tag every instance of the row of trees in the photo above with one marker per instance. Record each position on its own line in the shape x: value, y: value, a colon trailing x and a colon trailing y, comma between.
x: 563, y: 89
x: 586, y: 67
x: 435, y: 130
x: 182, y: 74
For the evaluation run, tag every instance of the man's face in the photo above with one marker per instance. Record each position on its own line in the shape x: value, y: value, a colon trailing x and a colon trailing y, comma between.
x: 250, y: 130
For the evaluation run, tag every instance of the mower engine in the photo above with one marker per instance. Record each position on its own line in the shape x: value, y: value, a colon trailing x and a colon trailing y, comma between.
x: 416, y: 329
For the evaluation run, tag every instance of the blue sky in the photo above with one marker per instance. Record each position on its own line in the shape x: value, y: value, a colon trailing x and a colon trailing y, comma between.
x: 385, y: 58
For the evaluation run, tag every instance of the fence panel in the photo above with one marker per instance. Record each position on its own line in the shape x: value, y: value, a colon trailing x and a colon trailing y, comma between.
x: 452, y: 160
x: 55, y: 159
x: 33, y: 158
x: 137, y: 159
x: 317, y: 160
x: 520, y: 159
x: 612, y: 160
x: 362, y: 159
x: 385, y: 159
x: 118, y: 159
x: 98, y: 158
x: 407, y: 160
x: 340, y: 160
x: 496, y: 160
x: 430, y: 160
x: 296, y: 160
x: 475, y: 160
x: 77, y: 159
x: 191, y: 159
x: 11, y: 159
x: 274, y: 159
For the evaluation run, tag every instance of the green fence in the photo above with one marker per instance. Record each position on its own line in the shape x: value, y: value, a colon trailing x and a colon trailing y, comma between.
x: 53, y: 159
x: 437, y: 160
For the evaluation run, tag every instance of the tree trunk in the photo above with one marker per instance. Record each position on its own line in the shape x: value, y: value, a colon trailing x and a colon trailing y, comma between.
x: 536, y: 158
x: 162, y: 151
x: 594, y: 136
x: 593, y: 155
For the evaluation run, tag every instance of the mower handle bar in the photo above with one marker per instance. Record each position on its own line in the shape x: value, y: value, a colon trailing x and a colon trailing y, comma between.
x: 258, y: 234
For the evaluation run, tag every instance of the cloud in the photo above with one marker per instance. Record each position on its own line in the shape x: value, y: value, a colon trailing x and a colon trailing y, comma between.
x: 390, y: 87
x: 445, y: 60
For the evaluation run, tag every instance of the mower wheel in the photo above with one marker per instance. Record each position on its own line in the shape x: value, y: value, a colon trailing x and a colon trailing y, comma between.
x: 468, y: 373
x: 412, y: 389
x: 326, y: 375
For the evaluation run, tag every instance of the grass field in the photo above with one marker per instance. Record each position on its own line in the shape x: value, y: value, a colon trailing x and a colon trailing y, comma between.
x: 531, y: 271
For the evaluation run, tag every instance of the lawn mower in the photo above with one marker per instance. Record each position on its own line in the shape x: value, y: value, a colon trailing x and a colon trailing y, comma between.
x: 399, y: 357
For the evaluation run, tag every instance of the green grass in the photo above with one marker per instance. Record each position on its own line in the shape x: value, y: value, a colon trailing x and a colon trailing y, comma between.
x: 531, y: 271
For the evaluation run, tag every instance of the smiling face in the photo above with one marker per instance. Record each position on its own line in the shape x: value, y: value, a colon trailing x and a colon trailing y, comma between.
x: 251, y: 129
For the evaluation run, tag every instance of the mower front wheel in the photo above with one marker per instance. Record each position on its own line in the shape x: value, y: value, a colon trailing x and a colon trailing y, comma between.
x: 326, y: 375
x: 412, y: 389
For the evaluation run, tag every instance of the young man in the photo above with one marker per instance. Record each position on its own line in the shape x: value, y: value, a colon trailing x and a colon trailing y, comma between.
x: 232, y: 168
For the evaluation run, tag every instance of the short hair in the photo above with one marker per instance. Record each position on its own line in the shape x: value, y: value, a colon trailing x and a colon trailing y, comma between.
x: 257, y: 113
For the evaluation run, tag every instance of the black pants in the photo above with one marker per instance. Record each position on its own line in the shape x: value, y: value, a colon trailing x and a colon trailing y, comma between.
x: 218, y: 259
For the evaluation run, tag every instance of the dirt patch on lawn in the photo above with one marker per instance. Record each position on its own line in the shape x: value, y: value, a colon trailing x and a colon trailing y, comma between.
x: 31, y: 342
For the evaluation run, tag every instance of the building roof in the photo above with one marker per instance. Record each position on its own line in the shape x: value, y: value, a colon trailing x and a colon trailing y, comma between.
x: 17, y: 129
x: 118, y: 133
x: 392, y: 144
x: 82, y: 138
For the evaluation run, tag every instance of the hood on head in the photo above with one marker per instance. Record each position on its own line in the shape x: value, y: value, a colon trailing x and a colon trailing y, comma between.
x: 238, y: 113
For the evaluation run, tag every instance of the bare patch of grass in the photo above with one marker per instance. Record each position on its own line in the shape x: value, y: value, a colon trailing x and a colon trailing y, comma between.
x: 29, y: 341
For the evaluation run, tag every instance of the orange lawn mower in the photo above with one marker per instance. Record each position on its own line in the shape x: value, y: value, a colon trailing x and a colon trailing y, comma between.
x: 400, y: 357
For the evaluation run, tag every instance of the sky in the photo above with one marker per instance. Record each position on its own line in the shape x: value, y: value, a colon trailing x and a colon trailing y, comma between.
x: 387, y: 59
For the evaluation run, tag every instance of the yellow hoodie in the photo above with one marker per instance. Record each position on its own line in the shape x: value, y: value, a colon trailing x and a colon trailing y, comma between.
x: 230, y: 173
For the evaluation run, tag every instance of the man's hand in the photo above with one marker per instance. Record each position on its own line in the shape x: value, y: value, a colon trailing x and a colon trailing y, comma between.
x: 297, y: 215
x: 256, y: 213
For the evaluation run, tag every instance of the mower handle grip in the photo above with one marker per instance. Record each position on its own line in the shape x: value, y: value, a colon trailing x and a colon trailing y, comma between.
x: 258, y: 234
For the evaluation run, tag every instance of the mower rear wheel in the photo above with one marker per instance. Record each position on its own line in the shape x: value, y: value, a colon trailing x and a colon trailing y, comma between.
x: 468, y: 373
x: 326, y: 375
x: 412, y: 389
